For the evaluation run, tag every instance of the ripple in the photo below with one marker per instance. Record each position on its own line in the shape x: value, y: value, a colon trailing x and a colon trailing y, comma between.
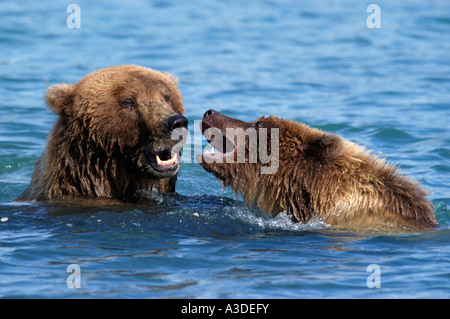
x: 311, y: 61
x: 393, y: 135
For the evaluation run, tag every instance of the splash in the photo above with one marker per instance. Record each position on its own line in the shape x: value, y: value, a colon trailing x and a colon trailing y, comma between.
x: 281, y: 222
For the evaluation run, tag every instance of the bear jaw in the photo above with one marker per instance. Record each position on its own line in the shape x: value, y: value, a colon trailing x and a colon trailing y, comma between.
x: 164, y: 162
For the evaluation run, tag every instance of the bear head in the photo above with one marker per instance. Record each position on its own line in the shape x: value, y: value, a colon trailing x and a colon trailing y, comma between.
x: 128, y: 110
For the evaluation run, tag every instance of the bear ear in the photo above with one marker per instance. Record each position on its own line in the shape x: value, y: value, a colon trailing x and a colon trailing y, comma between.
x: 171, y: 77
x: 60, y: 96
x: 326, y: 147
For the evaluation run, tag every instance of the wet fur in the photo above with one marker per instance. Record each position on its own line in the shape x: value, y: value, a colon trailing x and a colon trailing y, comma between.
x: 322, y: 175
x: 95, y: 147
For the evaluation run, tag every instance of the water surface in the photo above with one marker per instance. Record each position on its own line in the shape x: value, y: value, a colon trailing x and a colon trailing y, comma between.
x: 311, y: 61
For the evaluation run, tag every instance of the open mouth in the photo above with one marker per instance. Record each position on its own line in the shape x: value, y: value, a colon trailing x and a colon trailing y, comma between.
x: 161, y: 161
x: 221, y: 146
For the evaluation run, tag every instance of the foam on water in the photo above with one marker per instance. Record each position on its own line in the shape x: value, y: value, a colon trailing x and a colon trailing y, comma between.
x: 312, y: 61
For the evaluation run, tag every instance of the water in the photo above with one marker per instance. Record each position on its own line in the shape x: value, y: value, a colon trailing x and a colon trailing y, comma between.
x: 312, y: 61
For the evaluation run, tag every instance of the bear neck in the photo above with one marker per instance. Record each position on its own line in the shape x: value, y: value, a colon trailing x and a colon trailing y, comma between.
x: 81, y: 166
x: 288, y: 190
x: 270, y: 193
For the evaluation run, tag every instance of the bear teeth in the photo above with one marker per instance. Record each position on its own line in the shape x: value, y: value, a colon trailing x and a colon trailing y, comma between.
x: 169, y: 162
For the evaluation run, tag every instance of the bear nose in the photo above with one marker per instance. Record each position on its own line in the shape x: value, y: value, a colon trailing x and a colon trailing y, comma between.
x: 177, y: 121
x: 209, y: 113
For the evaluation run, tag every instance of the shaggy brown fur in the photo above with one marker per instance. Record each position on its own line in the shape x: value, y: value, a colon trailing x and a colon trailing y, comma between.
x: 110, y: 128
x: 320, y: 175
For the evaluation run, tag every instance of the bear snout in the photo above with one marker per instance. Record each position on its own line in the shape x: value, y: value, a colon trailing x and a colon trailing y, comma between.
x: 210, y: 112
x: 176, y: 121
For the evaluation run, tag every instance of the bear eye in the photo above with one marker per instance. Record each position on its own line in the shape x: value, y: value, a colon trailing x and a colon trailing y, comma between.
x: 259, y: 124
x: 129, y: 103
x: 167, y: 98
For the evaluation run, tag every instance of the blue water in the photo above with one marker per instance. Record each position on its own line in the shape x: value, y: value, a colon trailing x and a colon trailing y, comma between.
x: 317, y: 62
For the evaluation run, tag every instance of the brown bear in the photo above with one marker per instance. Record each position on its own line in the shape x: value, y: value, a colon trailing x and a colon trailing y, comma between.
x: 314, y: 174
x: 113, y: 136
